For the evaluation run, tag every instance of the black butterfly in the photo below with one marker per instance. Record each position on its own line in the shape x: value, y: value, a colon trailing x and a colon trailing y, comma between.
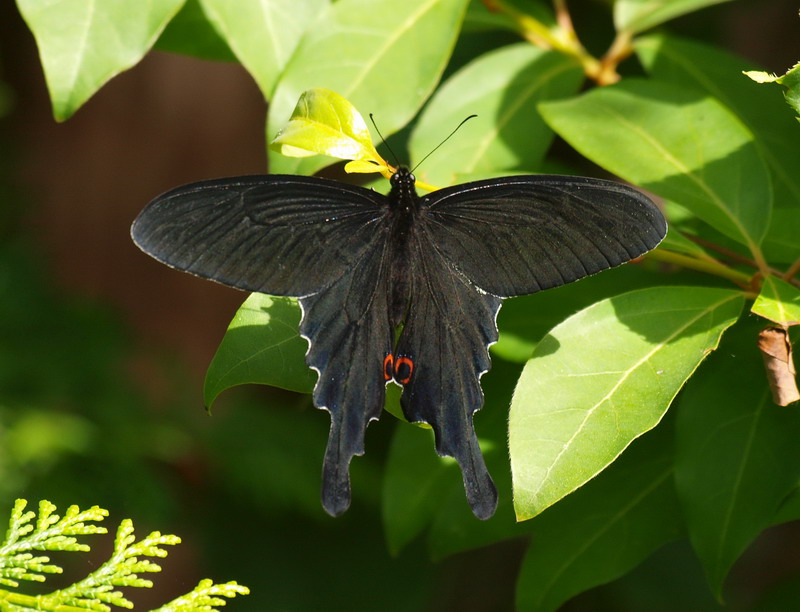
x: 362, y: 264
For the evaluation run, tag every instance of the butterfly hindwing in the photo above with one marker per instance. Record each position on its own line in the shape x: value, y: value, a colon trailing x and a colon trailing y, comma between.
x: 448, y: 328
x: 518, y: 235
x: 349, y: 333
x: 276, y: 234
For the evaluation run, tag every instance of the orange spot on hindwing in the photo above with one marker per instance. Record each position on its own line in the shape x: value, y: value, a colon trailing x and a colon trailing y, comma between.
x: 388, y: 367
x: 403, y: 369
x: 399, y: 369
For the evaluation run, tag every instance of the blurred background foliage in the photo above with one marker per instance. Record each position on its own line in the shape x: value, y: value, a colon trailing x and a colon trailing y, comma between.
x: 100, y: 388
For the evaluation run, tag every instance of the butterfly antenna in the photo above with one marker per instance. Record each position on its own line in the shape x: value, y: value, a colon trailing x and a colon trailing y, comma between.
x: 383, y: 140
x: 444, y: 141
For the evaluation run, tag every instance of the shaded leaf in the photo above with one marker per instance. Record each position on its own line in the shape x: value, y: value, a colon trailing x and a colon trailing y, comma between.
x: 605, y: 529
x: 84, y: 43
x: 679, y: 144
x: 262, y: 345
x: 190, y: 33
x: 639, y: 15
x: 778, y: 301
x: 714, y: 71
x: 370, y: 52
x: 414, y: 483
x: 602, y: 378
x: 263, y: 33
x: 737, y: 456
x: 507, y: 133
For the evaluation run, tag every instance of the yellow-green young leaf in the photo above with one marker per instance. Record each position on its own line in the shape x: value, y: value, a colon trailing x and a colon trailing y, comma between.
x: 790, y: 80
x: 639, y: 15
x: 262, y: 345
x: 602, y: 378
x: 324, y: 123
x: 361, y: 166
x: 84, y: 43
x: 778, y: 301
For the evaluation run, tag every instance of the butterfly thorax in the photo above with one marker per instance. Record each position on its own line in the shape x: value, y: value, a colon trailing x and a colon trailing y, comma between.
x: 404, y: 207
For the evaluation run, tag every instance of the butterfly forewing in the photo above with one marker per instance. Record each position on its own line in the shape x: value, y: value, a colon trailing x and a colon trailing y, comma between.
x: 518, y: 235
x: 282, y: 235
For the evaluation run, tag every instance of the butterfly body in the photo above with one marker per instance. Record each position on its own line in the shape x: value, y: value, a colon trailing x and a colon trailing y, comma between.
x: 365, y: 266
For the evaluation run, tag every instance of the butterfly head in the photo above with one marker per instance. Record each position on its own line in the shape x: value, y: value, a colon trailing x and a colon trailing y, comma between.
x: 403, y: 194
x: 402, y: 178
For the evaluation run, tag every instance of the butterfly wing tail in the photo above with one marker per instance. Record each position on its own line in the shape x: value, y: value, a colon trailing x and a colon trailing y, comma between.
x: 336, y: 468
x: 478, y: 484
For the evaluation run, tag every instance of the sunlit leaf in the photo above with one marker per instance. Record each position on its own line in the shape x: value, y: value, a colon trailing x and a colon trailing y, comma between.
x: 324, y: 123
x: 507, y: 133
x: 602, y: 378
x: 778, y: 301
x: 639, y: 15
x: 263, y: 33
x: 84, y: 43
x: 262, y: 345
x: 790, y: 80
x: 678, y: 143
x: 384, y: 56
x: 709, y: 69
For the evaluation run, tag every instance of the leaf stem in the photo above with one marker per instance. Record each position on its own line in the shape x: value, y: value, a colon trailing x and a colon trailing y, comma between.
x: 703, y: 265
x: 564, y: 39
x: 788, y: 276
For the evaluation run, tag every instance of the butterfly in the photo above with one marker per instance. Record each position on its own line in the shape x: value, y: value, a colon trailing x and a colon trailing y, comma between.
x: 399, y: 288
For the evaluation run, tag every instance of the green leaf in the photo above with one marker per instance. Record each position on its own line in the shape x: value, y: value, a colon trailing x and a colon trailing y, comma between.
x: 675, y: 241
x: 602, y: 378
x: 324, y: 123
x: 790, y: 80
x: 678, y: 143
x: 604, y: 530
x: 262, y: 345
x: 737, y: 456
x: 507, y: 133
x: 778, y: 301
x: 718, y: 73
x: 414, y: 483
x: 639, y: 15
x: 190, y: 33
x: 384, y: 56
x: 84, y: 43
x: 263, y: 33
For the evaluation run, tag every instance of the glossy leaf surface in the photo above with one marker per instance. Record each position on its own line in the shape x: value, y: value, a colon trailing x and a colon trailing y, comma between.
x: 602, y: 378
x: 262, y: 346
x: 84, y: 43
x: 507, y: 133
x: 263, y: 33
x: 678, y: 143
x: 370, y: 52
x: 717, y: 73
